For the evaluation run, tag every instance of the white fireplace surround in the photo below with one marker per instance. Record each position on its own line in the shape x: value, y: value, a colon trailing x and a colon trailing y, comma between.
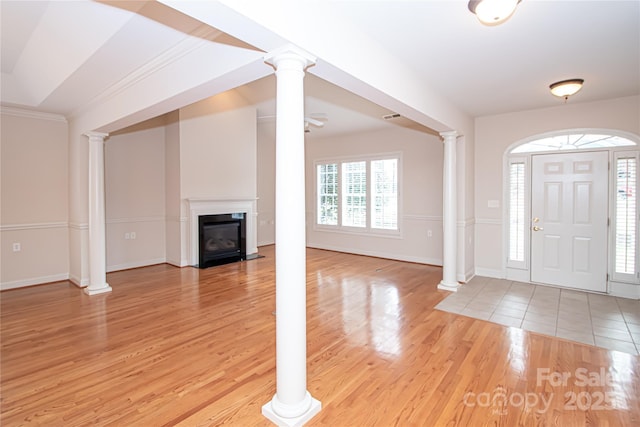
x: 197, y: 207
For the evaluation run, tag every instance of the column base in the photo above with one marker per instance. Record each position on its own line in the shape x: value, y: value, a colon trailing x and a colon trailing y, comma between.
x: 297, y: 421
x: 451, y: 287
x: 103, y: 290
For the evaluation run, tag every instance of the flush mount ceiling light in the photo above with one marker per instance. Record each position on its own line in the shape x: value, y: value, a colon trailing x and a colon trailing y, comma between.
x: 493, y: 12
x: 566, y: 88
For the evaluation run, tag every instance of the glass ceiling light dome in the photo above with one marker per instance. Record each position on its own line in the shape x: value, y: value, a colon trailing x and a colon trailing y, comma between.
x: 493, y: 12
x: 566, y: 88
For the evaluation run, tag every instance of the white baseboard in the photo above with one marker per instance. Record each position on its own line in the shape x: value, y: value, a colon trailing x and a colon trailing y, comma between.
x: 378, y: 254
x: 33, y: 281
x: 470, y: 274
x: 489, y: 272
x: 135, y: 264
x: 175, y: 263
x: 518, y: 275
x: 624, y: 290
x: 81, y: 283
x: 266, y: 243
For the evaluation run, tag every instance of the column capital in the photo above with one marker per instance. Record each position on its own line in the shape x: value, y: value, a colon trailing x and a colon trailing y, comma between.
x: 96, y: 135
x: 449, y: 134
x: 290, y: 52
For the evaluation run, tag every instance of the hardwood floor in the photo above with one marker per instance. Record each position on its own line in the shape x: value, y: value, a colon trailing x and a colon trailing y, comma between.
x: 191, y: 347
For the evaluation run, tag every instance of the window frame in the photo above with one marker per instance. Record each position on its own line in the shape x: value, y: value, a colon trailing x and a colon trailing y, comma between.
x: 317, y: 193
x: 516, y: 264
x: 384, y: 194
x: 616, y: 276
x: 343, y: 195
x: 368, y: 229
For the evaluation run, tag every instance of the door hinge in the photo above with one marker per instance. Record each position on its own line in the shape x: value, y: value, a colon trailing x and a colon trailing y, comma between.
x: 607, y: 277
x: 608, y: 222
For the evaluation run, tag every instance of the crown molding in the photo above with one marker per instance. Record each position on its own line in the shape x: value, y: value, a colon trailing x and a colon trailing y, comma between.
x: 32, y: 114
x: 202, y: 35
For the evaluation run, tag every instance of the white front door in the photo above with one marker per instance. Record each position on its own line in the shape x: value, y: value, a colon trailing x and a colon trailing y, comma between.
x: 569, y: 205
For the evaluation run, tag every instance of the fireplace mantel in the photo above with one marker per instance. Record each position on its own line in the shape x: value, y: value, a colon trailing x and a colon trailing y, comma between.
x: 201, y: 206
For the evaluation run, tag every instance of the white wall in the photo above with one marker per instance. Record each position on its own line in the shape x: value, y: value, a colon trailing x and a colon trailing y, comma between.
x: 35, y: 189
x: 421, y: 194
x: 218, y: 148
x: 173, y: 225
x: 135, y: 195
x: 466, y: 209
x: 266, y: 170
x: 494, y: 134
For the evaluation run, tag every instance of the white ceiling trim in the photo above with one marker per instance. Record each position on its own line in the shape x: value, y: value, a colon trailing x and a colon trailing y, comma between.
x: 30, y: 114
x: 197, y: 40
x: 161, y: 92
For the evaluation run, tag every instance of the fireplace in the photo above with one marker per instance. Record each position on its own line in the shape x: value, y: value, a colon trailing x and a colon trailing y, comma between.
x: 222, y: 239
x: 197, y: 207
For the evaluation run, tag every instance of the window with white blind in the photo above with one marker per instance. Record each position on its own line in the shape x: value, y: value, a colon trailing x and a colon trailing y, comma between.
x: 626, y: 217
x: 358, y: 194
x: 384, y: 187
x: 517, y: 213
x: 327, y: 190
x: 354, y: 194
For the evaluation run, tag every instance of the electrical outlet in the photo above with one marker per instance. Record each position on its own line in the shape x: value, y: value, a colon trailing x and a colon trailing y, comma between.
x: 429, y: 233
x: 127, y: 236
x: 133, y: 235
x: 17, y: 247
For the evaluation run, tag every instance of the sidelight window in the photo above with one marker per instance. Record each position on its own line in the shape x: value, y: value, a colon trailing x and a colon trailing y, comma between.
x: 517, y: 225
x: 626, y: 216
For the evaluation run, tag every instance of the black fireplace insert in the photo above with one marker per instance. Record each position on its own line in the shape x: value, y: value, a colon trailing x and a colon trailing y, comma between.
x: 222, y: 239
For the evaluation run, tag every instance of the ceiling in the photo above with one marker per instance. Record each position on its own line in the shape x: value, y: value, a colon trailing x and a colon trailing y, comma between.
x: 58, y: 56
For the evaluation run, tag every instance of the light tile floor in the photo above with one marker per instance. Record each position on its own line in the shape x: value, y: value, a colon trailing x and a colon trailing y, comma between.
x: 599, y: 320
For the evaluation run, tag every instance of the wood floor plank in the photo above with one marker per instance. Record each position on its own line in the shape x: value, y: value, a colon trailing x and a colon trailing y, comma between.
x: 191, y: 347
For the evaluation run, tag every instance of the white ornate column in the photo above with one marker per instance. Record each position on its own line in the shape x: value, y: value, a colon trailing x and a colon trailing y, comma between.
x: 450, y: 214
x: 292, y: 405
x: 97, y: 240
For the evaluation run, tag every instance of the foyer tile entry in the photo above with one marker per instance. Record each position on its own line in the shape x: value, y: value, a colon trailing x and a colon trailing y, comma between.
x: 599, y: 320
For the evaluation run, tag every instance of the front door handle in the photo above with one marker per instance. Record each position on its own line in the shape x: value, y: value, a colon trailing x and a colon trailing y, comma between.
x: 536, y: 228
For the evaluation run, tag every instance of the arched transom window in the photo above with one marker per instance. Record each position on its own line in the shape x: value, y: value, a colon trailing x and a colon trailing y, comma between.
x: 573, y: 141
